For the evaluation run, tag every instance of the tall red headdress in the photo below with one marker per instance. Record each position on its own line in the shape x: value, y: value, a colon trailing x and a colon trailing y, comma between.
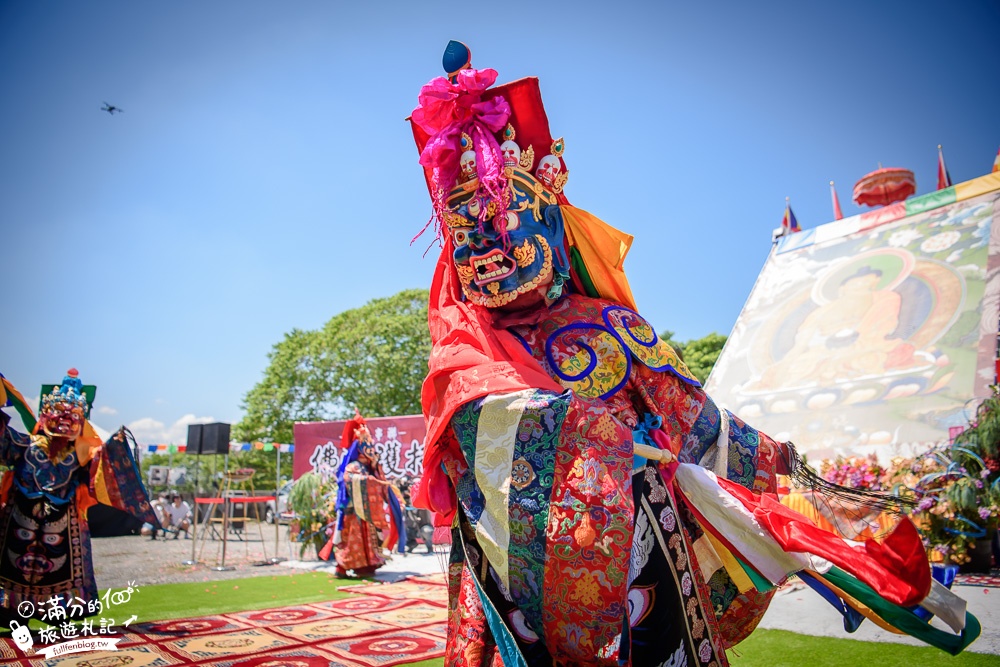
x: 461, y: 121
x: 353, y: 429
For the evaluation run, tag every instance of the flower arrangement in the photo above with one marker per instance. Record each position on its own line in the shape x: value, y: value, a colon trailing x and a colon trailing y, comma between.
x: 911, y: 478
x: 957, y: 505
x: 313, y: 499
x: 855, y: 472
x: 969, y: 493
x: 957, y: 489
x: 956, y: 494
x: 981, y: 442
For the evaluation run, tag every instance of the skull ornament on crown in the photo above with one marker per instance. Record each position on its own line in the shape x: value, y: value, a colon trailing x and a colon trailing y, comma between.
x: 511, y: 153
x: 467, y: 163
x: 509, y: 148
x: 468, y: 166
x: 550, y: 169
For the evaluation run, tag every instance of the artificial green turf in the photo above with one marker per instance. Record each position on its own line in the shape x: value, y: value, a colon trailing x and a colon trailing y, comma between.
x: 168, y: 601
x: 780, y: 648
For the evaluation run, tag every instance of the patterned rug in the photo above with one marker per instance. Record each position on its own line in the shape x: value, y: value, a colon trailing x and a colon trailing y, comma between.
x: 406, y: 589
x: 991, y: 580
x: 380, y: 625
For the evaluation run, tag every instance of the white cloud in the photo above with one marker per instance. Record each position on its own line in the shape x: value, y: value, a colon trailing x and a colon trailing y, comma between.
x: 106, y: 410
x: 148, y: 431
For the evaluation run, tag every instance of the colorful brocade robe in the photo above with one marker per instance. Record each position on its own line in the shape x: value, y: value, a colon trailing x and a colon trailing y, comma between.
x: 571, y: 550
x: 583, y: 535
x: 45, y: 549
x: 359, y: 547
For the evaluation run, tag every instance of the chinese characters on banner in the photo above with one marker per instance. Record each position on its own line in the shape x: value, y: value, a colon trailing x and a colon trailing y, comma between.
x: 399, y: 442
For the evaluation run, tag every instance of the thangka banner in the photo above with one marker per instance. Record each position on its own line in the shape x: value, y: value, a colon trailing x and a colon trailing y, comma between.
x: 399, y: 442
x: 867, y: 335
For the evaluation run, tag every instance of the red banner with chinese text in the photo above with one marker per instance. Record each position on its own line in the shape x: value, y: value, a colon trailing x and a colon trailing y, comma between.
x: 399, y: 442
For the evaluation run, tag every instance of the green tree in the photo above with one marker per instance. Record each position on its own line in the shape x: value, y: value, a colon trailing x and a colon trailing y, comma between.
x: 291, y: 390
x: 201, y: 469
x: 372, y: 358
x: 699, y: 354
x: 668, y: 337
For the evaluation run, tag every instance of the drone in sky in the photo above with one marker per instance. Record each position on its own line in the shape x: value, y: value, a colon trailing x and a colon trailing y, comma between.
x: 112, y: 109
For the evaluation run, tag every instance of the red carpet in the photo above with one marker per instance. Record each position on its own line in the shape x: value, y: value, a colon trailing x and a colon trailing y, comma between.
x: 380, y: 625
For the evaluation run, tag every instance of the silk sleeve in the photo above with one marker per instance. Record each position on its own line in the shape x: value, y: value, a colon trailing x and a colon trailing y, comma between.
x: 115, y: 480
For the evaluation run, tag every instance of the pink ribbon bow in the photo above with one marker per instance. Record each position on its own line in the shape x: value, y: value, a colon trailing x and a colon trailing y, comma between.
x: 447, y: 109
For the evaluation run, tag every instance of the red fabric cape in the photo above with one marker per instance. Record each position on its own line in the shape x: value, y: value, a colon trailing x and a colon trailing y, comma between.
x: 469, y: 359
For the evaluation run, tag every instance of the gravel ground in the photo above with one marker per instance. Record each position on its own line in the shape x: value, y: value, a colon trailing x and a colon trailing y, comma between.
x: 132, y: 558
x: 119, y: 560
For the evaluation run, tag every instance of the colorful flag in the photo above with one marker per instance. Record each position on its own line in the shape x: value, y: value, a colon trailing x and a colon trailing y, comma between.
x: 944, y: 178
x: 788, y: 223
x: 837, y: 213
x: 996, y: 162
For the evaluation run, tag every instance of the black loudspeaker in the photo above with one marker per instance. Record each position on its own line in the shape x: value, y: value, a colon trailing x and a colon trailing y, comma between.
x: 194, y: 439
x: 214, y: 439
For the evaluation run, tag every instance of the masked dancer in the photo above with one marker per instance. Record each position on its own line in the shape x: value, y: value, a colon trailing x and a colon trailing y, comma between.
x: 367, y: 505
x: 607, y: 512
x: 53, y: 477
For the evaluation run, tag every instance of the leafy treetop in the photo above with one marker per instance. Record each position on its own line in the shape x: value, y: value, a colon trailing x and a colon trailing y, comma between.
x: 373, y: 358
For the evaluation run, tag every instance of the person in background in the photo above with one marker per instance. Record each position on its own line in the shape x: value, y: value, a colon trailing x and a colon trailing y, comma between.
x: 419, y: 524
x: 178, y: 514
x: 148, y: 530
x: 362, y: 494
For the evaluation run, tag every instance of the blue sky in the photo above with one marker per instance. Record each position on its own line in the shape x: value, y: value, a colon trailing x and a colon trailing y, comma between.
x: 262, y: 178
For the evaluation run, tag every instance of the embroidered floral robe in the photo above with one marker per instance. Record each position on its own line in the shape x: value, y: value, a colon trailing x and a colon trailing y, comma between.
x: 564, y: 534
